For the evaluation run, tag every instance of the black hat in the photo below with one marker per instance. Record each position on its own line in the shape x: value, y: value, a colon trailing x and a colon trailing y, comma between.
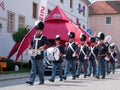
x: 112, y: 45
x: 57, y: 38
x: 83, y: 37
x: 92, y: 39
x: 71, y: 35
x: 101, y: 36
x: 40, y: 26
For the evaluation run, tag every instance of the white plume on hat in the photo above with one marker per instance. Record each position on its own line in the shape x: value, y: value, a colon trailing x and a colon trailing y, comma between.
x: 57, y: 36
x: 68, y: 33
x: 99, y: 34
x: 81, y: 35
x: 112, y: 44
x: 36, y: 22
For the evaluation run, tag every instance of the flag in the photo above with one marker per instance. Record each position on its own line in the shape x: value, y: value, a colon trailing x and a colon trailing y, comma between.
x: 14, y: 49
x: 26, y: 40
x: 2, y: 5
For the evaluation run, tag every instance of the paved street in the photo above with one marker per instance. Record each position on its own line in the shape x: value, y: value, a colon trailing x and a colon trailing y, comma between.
x: 112, y: 82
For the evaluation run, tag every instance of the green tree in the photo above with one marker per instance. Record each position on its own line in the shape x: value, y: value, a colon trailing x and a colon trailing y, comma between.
x: 20, y: 34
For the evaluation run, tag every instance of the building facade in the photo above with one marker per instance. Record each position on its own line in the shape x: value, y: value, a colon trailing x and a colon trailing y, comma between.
x: 105, y: 17
x: 16, y: 13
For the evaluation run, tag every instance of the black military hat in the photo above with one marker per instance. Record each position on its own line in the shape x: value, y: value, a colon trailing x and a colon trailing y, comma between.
x: 112, y: 45
x: 92, y: 39
x: 57, y: 38
x: 83, y: 37
x: 101, y: 36
x: 71, y: 35
x: 40, y: 26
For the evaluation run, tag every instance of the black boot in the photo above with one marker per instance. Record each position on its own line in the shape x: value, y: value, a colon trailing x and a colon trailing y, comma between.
x: 97, y: 77
x: 103, y: 77
x: 64, y: 78
x: 77, y: 76
x: 51, y: 80
x: 61, y: 79
x: 74, y: 78
x: 29, y: 82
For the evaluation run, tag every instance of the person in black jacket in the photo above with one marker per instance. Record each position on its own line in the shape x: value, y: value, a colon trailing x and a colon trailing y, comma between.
x: 57, y: 64
x: 102, y: 52
x: 92, y: 57
x: 38, y: 42
x: 83, y: 55
x: 71, y: 51
x: 112, y: 56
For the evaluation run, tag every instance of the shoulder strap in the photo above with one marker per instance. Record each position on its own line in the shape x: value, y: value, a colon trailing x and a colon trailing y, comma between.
x: 81, y: 49
x: 70, y: 46
x: 92, y: 51
x: 112, y: 55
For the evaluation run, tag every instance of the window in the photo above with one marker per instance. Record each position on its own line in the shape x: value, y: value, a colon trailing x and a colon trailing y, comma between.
x: 83, y: 10
x: 21, y: 21
x: 10, y: 22
x: 84, y: 27
x: 71, y: 3
x: 61, y: 1
x: 108, y: 20
x: 79, y: 8
x: 77, y: 22
x: 35, y: 9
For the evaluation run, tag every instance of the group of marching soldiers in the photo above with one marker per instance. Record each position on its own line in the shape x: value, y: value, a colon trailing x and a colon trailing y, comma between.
x: 93, y: 57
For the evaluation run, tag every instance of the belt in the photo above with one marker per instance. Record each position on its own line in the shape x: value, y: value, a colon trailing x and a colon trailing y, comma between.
x: 101, y: 54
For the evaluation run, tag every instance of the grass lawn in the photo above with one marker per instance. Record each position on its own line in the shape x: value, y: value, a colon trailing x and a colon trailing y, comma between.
x: 23, y: 70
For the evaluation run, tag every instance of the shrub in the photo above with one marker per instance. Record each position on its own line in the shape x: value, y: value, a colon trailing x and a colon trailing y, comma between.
x: 24, y: 64
x: 10, y: 65
x: 20, y: 34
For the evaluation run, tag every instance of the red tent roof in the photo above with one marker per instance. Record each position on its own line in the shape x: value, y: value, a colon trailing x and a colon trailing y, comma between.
x: 57, y: 14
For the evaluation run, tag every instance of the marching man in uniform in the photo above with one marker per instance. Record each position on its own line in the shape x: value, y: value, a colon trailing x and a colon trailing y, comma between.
x: 83, y: 55
x: 57, y: 64
x: 112, y: 57
x: 71, y: 51
x: 92, y: 57
x: 102, y: 52
x: 38, y: 43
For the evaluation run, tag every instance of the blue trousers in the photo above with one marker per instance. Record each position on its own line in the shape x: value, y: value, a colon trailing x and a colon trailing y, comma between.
x: 107, y: 66
x: 59, y: 66
x: 112, y: 67
x: 80, y: 63
x: 67, y: 68
x: 91, y: 66
x: 37, y: 66
x: 101, y: 66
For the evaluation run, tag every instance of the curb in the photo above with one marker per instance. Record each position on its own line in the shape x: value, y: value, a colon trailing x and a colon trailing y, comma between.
x: 4, y: 77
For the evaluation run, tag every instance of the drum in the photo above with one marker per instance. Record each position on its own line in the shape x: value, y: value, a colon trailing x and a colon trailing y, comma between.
x: 33, y: 52
x: 53, y: 54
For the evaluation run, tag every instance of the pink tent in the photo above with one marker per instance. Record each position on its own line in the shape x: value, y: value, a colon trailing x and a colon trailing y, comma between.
x: 58, y: 23
x: 55, y: 23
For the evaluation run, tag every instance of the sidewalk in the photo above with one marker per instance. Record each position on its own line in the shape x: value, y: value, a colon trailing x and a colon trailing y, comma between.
x: 112, y: 82
x: 13, y: 76
x: 25, y: 75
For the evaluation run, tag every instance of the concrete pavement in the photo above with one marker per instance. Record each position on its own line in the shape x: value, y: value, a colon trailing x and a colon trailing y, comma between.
x: 13, y: 76
x: 112, y: 82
